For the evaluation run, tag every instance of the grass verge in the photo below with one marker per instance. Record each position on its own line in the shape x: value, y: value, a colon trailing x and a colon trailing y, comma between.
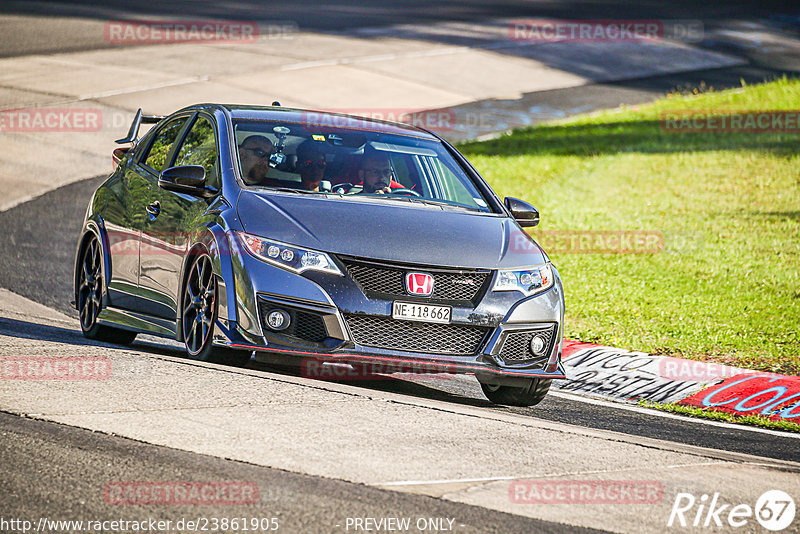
x: 726, y: 285
x: 702, y: 413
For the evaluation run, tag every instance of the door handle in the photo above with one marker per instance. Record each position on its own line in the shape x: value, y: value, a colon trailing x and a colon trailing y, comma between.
x: 154, y: 209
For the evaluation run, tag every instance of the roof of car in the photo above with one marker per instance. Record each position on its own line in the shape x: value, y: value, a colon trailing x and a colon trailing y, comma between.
x: 323, y: 119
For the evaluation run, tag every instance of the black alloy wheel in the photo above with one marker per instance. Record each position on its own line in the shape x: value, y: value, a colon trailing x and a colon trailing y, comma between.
x: 199, y: 308
x: 199, y: 314
x: 89, y: 293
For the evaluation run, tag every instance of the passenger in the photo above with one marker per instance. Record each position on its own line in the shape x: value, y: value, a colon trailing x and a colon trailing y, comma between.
x: 254, y: 154
x: 376, y: 173
x: 311, y: 164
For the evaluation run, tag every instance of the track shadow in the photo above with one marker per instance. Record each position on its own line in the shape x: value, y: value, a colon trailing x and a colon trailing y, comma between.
x: 377, y: 382
x: 643, y: 136
x: 37, y: 250
x: 57, y: 334
x: 339, y: 15
x: 406, y: 387
x: 72, y: 336
x: 445, y: 22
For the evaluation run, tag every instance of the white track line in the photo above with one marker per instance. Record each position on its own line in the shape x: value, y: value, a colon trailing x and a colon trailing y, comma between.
x: 536, y: 477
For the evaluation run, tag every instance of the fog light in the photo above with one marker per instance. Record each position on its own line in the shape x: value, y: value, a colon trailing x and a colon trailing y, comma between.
x: 278, y: 320
x: 538, y: 344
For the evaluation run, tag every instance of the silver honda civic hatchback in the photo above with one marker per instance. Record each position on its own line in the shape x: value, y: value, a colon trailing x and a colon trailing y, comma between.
x: 298, y: 236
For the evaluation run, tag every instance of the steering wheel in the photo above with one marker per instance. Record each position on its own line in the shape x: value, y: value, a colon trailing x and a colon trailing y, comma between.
x: 345, y: 187
x: 405, y: 191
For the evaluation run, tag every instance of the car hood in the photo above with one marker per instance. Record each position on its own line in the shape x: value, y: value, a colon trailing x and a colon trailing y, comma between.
x: 388, y: 230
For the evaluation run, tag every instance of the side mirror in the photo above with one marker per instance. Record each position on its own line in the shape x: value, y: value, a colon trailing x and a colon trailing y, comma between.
x: 188, y: 179
x: 525, y: 214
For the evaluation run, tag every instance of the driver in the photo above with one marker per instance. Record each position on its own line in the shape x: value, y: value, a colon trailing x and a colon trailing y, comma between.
x: 254, y: 154
x: 376, y: 173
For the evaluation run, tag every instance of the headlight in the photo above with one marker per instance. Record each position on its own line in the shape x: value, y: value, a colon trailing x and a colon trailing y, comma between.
x: 289, y: 257
x: 528, y: 281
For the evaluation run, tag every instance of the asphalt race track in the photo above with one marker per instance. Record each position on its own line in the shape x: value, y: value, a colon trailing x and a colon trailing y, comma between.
x: 347, y: 15
x: 322, y: 453
x: 41, y: 271
x: 323, y: 501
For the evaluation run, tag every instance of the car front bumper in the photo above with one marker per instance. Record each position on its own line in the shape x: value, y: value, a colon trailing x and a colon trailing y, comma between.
x: 336, y: 305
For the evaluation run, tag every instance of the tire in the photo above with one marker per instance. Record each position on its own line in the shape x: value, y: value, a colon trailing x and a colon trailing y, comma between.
x: 199, y: 311
x: 530, y: 395
x: 89, y: 286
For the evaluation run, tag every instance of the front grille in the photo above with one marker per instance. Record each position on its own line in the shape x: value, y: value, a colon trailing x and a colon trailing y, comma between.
x: 516, y: 347
x: 304, y: 325
x: 377, y: 280
x: 454, y: 286
x: 385, y: 332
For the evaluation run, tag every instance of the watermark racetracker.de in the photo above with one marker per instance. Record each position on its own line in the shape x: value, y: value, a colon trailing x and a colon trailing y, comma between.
x: 605, y: 241
x: 86, y: 119
x: 720, y: 121
x: 73, y: 368
x: 63, y: 120
x: 211, y: 523
x: 586, y: 492
x: 441, y: 120
x: 138, y: 32
x: 680, y: 369
x: 601, y: 241
x: 539, y: 30
x: 124, y: 242
x: 319, y: 370
x: 54, y: 368
x: 180, y: 493
x: 51, y: 120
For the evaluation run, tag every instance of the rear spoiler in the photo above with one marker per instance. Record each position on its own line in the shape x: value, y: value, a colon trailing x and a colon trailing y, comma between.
x: 138, y: 119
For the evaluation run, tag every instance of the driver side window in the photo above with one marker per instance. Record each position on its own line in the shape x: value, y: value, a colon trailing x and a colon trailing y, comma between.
x: 200, y: 148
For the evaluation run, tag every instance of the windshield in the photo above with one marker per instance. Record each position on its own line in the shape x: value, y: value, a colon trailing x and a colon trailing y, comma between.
x: 353, y: 163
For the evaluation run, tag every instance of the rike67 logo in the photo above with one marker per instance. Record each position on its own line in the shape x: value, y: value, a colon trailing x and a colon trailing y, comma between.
x: 774, y: 510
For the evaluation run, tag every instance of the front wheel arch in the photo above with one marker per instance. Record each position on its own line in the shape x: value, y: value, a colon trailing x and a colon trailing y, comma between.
x: 89, y: 233
x: 93, y: 329
x: 197, y: 250
x: 206, y: 351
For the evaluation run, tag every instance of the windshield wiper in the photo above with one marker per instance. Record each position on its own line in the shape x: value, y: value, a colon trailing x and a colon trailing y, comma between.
x: 289, y: 190
x: 395, y: 198
x: 427, y: 201
x: 441, y: 203
x: 445, y: 204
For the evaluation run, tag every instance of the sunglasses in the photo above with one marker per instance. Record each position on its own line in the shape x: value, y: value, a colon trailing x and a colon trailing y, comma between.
x: 258, y: 152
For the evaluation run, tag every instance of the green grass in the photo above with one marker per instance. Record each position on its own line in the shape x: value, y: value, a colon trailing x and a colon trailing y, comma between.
x: 726, y: 288
x: 752, y: 420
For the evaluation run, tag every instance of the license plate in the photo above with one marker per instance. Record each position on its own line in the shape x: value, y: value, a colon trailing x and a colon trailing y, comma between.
x: 410, y: 311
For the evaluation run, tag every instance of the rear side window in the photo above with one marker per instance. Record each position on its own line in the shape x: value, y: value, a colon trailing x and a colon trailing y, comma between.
x: 157, y: 154
x: 200, y: 148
